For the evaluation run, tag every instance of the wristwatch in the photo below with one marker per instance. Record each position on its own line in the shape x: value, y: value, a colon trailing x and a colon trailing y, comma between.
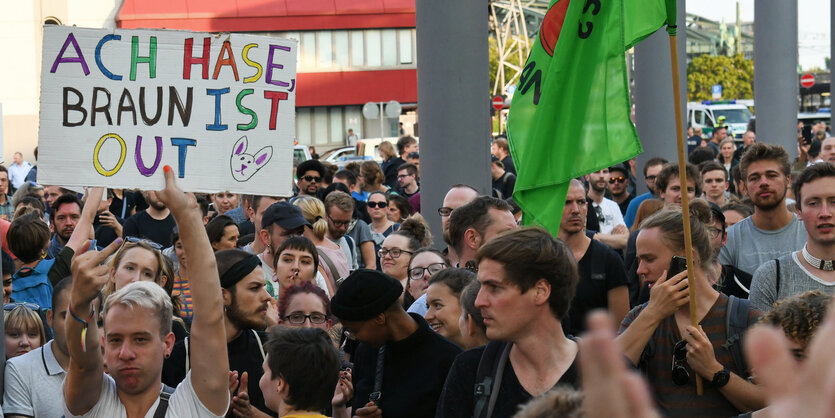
x: 721, y: 378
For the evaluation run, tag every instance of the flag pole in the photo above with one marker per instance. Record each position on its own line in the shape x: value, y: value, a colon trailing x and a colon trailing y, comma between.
x: 685, y: 197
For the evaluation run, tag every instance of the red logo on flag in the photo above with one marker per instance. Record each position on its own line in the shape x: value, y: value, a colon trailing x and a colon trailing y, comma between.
x: 549, y: 32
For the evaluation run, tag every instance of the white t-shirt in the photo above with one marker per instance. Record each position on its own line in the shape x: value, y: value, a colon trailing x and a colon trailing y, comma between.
x: 33, y: 384
x: 610, y: 216
x: 183, y: 402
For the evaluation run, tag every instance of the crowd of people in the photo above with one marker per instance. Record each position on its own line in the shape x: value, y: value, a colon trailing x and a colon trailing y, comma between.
x: 338, y: 302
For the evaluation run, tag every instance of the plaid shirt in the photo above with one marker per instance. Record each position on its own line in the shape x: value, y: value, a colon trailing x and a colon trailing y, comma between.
x: 6, y: 209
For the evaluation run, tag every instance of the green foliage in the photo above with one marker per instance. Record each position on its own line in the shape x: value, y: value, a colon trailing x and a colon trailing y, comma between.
x: 735, y: 74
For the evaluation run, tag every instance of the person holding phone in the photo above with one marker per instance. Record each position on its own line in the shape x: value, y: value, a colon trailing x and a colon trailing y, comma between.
x: 657, y: 335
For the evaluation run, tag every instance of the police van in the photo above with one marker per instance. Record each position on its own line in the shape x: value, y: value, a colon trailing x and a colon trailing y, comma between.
x: 708, y: 113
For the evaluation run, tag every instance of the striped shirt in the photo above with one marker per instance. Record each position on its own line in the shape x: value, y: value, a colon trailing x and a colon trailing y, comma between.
x: 674, y: 400
x: 187, y: 304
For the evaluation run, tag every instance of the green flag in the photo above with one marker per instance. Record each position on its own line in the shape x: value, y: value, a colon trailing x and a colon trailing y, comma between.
x: 570, y: 114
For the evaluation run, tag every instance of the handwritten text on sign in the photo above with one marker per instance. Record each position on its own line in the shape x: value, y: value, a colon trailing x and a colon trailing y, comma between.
x: 117, y: 105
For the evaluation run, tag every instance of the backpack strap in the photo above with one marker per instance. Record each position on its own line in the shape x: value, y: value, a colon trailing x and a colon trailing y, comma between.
x: 164, y: 396
x: 736, y: 322
x: 489, y: 378
x: 331, y: 266
x: 185, y: 342
x: 260, y: 344
x: 777, y: 291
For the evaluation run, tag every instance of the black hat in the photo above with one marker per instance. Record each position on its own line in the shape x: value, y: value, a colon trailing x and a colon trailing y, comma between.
x: 285, y: 215
x: 618, y: 167
x: 365, y: 294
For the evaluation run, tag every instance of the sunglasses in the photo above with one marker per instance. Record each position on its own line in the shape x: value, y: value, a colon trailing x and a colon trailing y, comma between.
x: 614, y: 180
x: 680, y: 374
x: 375, y: 205
x: 137, y: 240
x: 311, y: 178
x: 31, y: 306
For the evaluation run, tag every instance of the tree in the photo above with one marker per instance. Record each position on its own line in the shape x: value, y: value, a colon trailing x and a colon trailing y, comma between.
x: 735, y: 74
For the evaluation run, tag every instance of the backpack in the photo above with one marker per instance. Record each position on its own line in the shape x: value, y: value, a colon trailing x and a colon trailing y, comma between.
x: 736, y: 322
x: 32, y: 285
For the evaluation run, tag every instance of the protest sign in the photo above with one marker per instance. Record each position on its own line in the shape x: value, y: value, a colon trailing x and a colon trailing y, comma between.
x: 118, y: 105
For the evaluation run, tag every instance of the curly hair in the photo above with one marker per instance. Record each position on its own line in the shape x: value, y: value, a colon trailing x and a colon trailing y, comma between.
x: 799, y: 316
x: 415, y: 229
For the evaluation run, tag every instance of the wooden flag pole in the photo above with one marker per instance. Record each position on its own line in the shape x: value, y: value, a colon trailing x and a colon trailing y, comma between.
x: 685, y: 197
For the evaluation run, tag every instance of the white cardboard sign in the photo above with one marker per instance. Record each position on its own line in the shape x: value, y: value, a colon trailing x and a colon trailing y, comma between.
x: 119, y: 105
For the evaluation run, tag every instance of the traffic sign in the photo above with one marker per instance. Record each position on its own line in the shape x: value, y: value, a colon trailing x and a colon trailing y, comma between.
x: 717, y: 91
x: 807, y: 80
x: 498, y: 102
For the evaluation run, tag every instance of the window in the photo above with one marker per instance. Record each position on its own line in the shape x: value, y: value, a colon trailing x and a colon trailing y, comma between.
x: 324, y: 46
x: 320, y: 125
x: 405, y: 36
x: 373, y: 54
x: 341, y: 49
x: 336, y: 124
x: 389, y: 47
x: 357, y: 49
x: 303, y: 125
x: 308, y: 50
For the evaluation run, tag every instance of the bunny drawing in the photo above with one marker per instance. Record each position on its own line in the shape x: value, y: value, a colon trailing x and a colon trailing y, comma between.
x: 244, y: 165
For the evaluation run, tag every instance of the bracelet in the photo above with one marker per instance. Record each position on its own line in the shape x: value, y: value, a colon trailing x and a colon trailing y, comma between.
x: 84, y: 326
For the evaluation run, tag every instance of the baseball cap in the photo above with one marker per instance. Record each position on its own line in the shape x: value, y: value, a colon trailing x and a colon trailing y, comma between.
x: 284, y: 215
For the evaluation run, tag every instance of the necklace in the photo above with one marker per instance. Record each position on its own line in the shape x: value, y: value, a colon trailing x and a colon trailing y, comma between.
x: 825, y: 265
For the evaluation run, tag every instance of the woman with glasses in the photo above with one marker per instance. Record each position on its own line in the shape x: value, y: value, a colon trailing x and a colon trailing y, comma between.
x: 397, y: 250
x: 304, y: 305
x: 381, y: 225
x: 425, y: 263
x: 444, y: 308
x: 24, y: 328
x: 332, y: 260
x: 657, y: 336
x: 223, y: 233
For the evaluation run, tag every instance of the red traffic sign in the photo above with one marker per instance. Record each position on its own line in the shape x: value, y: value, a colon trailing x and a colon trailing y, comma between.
x: 498, y: 102
x: 807, y: 80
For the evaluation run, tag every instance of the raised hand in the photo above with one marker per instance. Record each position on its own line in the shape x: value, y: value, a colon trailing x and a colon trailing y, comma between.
x: 173, y: 197
x: 89, y: 273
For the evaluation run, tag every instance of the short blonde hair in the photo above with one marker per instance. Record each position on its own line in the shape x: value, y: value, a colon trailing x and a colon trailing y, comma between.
x: 145, y: 295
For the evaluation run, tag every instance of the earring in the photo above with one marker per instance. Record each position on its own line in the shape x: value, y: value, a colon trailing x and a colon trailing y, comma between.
x: 167, y: 355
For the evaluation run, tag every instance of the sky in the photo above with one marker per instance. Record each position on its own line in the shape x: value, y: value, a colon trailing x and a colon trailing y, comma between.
x: 813, y: 24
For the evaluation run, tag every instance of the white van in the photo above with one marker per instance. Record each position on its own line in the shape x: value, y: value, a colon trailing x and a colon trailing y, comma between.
x: 706, y: 114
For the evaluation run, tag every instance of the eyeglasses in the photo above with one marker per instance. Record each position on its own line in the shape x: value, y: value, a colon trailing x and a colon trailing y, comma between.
x: 402, y: 176
x: 680, y: 374
x: 339, y: 223
x: 418, y: 272
x: 311, y: 178
x: 614, y: 180
x: 298, y: 318
x: 375, y: 205
x: 394, y: 252
x: 444, y: 211
x: 714, y: 232
x: 651, y: 178
x: 11, y: 306
x: 137, y: 240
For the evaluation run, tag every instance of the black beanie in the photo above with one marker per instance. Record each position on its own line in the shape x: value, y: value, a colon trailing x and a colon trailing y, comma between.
x: 365, y: 294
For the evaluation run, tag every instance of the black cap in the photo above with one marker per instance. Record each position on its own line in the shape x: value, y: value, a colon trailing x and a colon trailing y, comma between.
x: 365, y: 294
x: 285, y: 215
x: 618, y: 167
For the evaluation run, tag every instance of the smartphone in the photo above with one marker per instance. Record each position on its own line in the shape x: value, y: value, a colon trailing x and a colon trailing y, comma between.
x: 677, y: 265
x: 97, y: 219
x: 807, y: 134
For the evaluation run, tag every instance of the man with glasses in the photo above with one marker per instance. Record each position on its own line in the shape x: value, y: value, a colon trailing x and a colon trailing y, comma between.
x: 457, y: 196
x: 400, y: 364
x: 339, y: 210
x: 309, y: 177
x: 407, y: 180
x: 619, y: 187
x: 651, y: 170
x: 245, y: 302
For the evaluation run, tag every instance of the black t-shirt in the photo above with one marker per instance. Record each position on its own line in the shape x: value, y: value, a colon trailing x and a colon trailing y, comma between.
x: 625, y: 204
x: 505, y: 184
x: 414, y: 370
x: 123, y: 207
x: 105, y: 234
x: 458, y: 399
x: 244, y: 356
x: 61, y: 267
x: 389, y: 168
x: 601, y: 270
x: 142, y: 225
x: 507, y: 162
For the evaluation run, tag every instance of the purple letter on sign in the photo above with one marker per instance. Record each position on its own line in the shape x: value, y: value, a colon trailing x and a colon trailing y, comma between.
x: 270, y: 65
x: 62, y: 59
x: 145, y: 171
